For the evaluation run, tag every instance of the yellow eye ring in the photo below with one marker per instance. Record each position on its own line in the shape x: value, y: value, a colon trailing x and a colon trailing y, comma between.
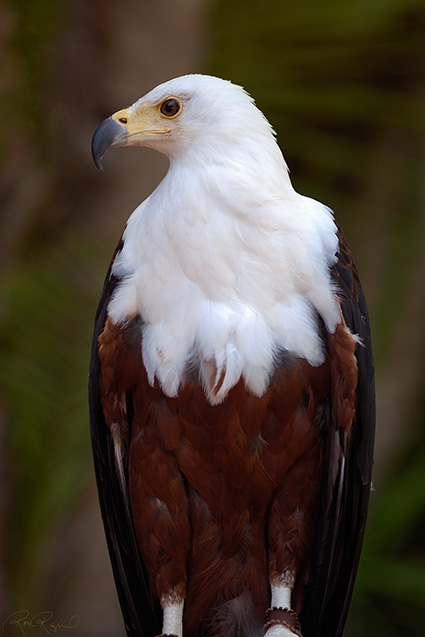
x: 170, y: 107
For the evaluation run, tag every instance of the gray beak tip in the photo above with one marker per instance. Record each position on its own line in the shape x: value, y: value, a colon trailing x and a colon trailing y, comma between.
x: 99, y: 164
x: 106, y: 135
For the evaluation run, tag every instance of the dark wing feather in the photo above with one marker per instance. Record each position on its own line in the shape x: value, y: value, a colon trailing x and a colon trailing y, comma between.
x: 348, y: 474
x: 141, y: 619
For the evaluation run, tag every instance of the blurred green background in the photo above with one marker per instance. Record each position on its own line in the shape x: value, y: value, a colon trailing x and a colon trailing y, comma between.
x: 344, y: 86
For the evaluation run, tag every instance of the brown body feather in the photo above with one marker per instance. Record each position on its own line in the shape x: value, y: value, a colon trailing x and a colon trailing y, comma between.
x: 225, y: 497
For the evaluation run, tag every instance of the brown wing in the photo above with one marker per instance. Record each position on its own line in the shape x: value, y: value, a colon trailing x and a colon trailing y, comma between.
x: 347, y: 476
x: 140, y: 617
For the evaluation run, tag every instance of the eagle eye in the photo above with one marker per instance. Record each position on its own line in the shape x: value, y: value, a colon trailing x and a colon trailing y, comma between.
x: 170, y: 107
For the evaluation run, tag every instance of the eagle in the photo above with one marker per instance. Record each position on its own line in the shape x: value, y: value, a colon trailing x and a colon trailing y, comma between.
x: 231, y: 383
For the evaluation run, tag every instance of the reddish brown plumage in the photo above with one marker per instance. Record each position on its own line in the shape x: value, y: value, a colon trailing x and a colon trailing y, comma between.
x: 219, y: 493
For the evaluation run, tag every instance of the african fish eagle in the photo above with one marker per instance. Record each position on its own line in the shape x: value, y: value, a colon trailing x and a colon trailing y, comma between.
x: 231, y: 383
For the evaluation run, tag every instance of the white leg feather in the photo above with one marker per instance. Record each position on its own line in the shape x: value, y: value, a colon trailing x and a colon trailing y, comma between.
x: 281, y: 595
x: 173, y: 618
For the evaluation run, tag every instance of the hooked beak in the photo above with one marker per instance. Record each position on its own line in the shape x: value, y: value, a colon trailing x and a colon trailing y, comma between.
x: 109, y: 133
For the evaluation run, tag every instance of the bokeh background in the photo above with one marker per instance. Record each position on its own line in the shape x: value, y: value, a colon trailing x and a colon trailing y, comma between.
x: 344, y: 85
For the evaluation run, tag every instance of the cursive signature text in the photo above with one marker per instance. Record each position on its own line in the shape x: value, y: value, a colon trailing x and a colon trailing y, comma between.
x: 23, y: 621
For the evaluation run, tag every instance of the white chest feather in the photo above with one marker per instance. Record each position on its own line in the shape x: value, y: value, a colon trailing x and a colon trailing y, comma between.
x: 226, y: 272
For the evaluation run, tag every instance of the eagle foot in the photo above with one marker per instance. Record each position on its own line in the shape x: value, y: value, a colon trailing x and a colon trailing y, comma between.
x: 278, y: 616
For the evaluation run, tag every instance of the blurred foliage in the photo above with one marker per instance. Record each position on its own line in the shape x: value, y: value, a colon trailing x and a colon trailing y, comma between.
x: 390, y: 589
x: 35, y: 26
x: 47, y: 307
x: 45, y: 340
